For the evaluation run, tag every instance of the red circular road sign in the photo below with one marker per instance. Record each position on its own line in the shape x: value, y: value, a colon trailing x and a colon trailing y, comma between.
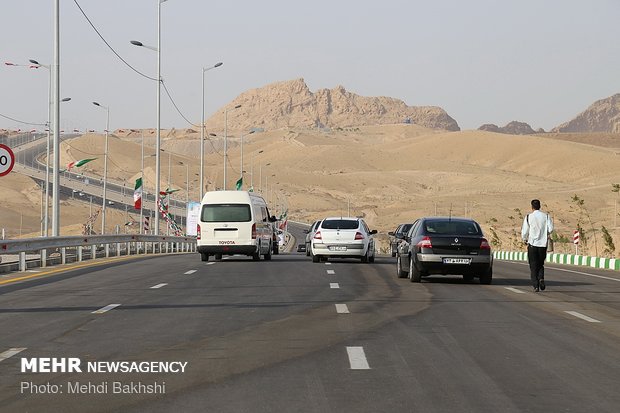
x: 7, y: 159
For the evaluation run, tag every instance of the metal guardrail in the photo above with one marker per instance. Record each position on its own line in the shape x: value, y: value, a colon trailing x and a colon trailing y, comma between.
x: 104, y: 245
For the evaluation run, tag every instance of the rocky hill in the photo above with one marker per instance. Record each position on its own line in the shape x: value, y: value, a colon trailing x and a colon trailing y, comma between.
x: 292, y: 104
x: 512, y: 128
x: 602, y: 116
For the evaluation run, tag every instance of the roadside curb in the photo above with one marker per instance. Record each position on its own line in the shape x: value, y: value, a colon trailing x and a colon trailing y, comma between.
x: 570, y: 259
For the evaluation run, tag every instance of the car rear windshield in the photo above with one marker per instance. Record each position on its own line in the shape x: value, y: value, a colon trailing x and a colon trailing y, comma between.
x: 339, y: 224
x: 226, y: 213
x: 404, y: 228
x: 447, y: 227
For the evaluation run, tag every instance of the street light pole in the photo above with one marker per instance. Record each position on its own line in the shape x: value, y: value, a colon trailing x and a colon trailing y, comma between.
x: 56, y: 77
x: 105, y: 167
x: 226, y: 142
x: 158, y: 129
x: 202, y: 127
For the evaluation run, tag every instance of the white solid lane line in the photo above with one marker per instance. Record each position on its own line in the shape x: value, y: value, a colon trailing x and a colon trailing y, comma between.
x: 514, y: 290
x: 105, y: 309
x: 11, y: 352
x: 331, y: 272
x: 210, y: 263
x: 357, y: 358
x: 583, y: 317
x: 342, y: 309
x: 574, y: 272
x: 190, y: 272
x: 334, y: 285
x: 159, y: 285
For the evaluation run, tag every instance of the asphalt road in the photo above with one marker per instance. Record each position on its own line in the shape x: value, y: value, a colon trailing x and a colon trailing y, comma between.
x: 269, y: 337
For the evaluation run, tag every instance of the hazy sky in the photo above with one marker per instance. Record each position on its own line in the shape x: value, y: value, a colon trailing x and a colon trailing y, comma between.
x: 483, y: 61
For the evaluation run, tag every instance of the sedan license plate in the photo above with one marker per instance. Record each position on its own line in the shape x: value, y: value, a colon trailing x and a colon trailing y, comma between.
x: 457, y: 261
x: 337, y: 248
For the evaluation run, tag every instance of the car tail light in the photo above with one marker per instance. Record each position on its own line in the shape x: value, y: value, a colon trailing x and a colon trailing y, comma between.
x: 198, y: 232
x: 484, y: 244
x: 358, y: 235
x: 425, y: 243
x: 253, y: 231
x: 318, y: 235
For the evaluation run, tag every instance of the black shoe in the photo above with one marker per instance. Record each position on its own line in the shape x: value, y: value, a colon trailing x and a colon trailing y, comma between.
x: 542, y: 285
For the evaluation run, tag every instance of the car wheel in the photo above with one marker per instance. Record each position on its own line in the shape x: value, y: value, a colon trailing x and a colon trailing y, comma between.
x: 487, y: 277
x: 393, y: 254
x: 276, y: 248
x: 307, y: 250
x: 316, y: 258
x: 267, y: 256
x: 218, y: 257
x: 415, y: 275
x: 468, y: 277
x: 371, y: 259
x: 399, y: 268
x: 204, y: 256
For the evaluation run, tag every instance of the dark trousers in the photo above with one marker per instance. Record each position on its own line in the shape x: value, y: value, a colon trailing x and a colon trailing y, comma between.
x: 536, y: 257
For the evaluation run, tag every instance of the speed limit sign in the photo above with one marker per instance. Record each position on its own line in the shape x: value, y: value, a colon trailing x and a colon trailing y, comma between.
x: 7, y: 159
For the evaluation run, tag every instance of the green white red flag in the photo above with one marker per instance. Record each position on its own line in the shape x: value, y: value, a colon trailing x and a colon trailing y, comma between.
x: 137, y: 194
x: 79, y: 163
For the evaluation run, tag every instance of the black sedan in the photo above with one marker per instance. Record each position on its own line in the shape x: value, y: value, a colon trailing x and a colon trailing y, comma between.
x: 445, y: 245
x: 397, y: 237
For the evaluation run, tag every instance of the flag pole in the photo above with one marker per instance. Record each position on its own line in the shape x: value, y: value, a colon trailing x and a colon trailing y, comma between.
x: 143, y: 186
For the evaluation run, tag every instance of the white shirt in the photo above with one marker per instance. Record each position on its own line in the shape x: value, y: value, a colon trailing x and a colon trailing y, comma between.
x: 535, y: 228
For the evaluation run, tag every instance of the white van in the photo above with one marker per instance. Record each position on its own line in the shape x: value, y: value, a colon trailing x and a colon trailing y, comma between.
x: 234, y: 222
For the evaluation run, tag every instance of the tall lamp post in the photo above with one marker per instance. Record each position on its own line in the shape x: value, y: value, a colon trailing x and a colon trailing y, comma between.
x: 252, y: 170
x: 202, y: 127
x: 56, y: 122
x: 249, y: 133
x: 226, y: 142
x: 105, y: 166
x: 35, y: 65
x: 158, y: 129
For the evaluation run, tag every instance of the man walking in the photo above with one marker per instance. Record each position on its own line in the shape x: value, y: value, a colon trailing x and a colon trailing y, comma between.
x: 535, y: 230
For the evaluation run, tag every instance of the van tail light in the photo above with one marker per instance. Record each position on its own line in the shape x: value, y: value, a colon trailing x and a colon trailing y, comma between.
x: 425, y: 243
x: 359, y: 236
x: 318, y: 235
x: 484, y: 244
x: 253, y: 231
x: 198, y: 232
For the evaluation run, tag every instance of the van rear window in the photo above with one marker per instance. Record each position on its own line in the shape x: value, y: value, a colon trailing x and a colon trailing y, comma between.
x: 226, y: 213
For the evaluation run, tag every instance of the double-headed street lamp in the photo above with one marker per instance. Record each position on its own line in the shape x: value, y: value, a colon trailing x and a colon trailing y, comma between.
x: 226, y: 141
x: 105, y: 166
x: 202, y: 126
x: 158, y: 129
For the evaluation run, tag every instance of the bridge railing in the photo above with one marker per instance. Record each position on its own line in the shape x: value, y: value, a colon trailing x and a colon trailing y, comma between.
x: 62, y: 250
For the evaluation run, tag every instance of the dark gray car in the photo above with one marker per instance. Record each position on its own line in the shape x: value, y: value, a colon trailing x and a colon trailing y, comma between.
x: 445, y: 245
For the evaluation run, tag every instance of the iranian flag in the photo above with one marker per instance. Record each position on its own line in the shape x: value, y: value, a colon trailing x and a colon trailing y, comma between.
x: 137, y: 194
x: 79, y: 163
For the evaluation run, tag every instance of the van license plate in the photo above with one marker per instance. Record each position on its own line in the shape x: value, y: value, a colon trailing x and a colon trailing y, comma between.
x: 337, y: 248
x: 457, y: 260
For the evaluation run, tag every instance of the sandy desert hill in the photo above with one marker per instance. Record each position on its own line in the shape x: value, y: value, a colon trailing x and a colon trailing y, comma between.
x: 388, y: 173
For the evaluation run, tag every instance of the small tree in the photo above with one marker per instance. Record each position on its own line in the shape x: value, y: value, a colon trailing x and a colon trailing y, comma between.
x: 610, y: 248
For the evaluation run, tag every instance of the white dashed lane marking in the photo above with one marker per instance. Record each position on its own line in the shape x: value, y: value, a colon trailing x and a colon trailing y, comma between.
x: 357, y: 358
x: 11, y: 352
x: 334, y: 285
x: 342, y: 309
x: 583, y: 317
x: 515, y: 290
x: 328, y: 263
x: 159, y: 285
x: 331, y: 272
x: 105, y: 309
x: 190, y: 272
x: 210, y: 263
